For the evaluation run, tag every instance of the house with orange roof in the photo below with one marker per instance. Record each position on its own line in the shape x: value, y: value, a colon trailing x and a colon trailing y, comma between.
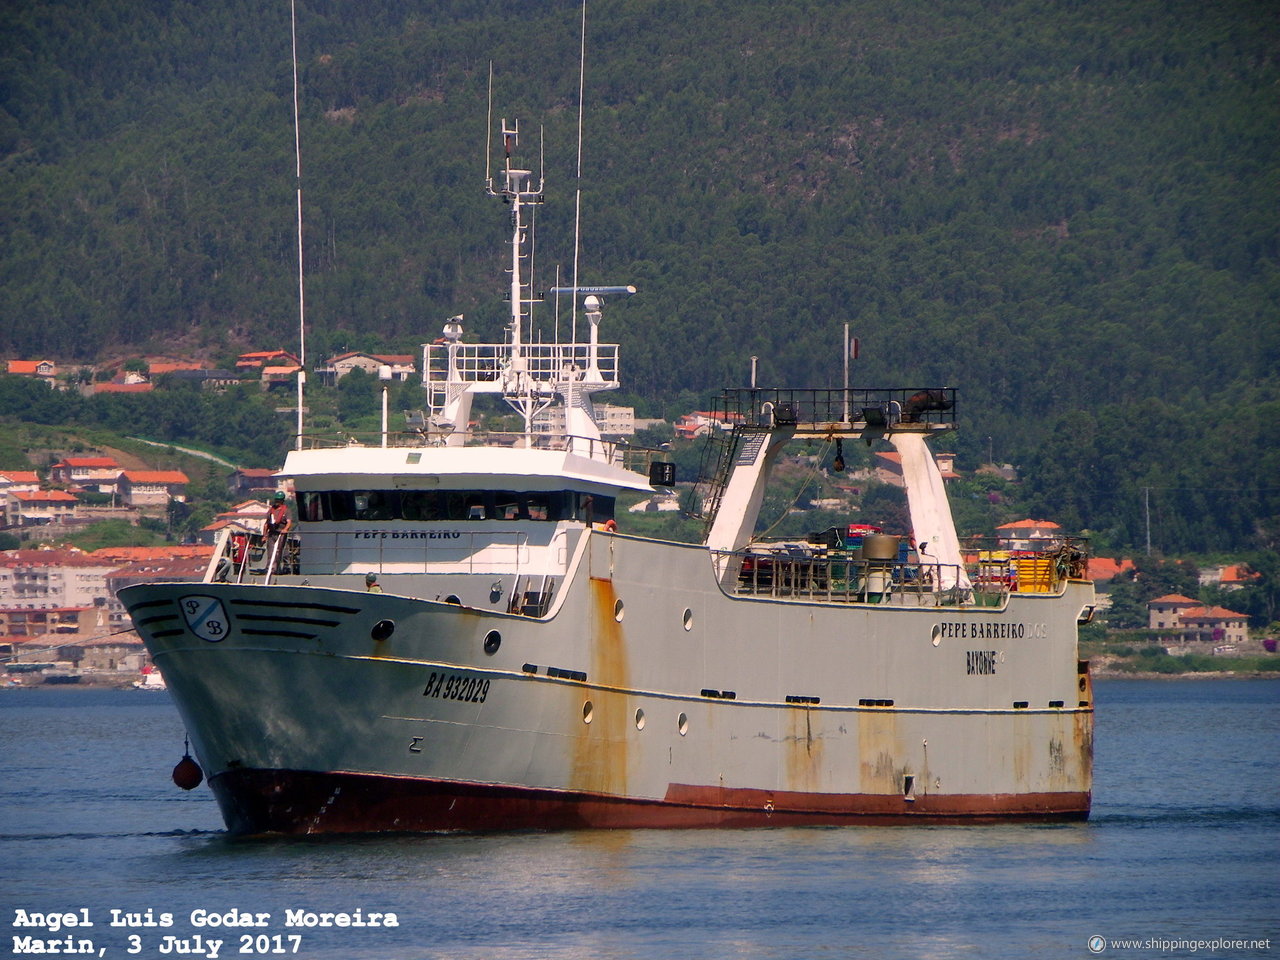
x: 1166, y: 612
x: 1102, y: 569
x: 1029, y: 534
x: 691, y: 426
x: 157, y: 367
x: 247, y: 517
x: 1232, y: 576
x: 1216, y: 625
x: 248, y: 362
x: 33, y: 508
x: 142, y: 488
x: 111, y: 652
x: 44, y: 370
x: 46, y: 579
x: 60, y: 623
x: 1194, y: 621
x: 278, y: 376
x: 140, y: 387
x: 699, y: 423
x: 402, y: 365
x: 184, y: 551
x: 251, y: 479
x: 886, y: 467
x: 91, y: 473
x: 18, y: 480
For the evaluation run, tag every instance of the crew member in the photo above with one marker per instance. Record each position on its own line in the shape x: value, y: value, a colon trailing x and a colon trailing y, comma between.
x: 277, y: 523
x: 371, y: 583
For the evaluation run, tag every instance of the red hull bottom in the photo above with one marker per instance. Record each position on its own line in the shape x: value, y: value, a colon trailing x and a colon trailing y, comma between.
x: 306, y: 802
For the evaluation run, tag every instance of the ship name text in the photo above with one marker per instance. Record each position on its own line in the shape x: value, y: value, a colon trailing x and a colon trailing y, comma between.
x: 991, y: 630
x: 407, y: 534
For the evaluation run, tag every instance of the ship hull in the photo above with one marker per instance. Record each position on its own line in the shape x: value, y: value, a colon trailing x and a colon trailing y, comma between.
x: 646, y: 697
x: 304, y: 802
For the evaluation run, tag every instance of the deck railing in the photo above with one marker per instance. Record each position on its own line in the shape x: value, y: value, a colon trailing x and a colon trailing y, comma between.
x: 839, y: 576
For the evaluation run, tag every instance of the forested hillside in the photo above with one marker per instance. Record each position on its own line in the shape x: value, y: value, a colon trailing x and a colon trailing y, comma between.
x: 1067, y: 210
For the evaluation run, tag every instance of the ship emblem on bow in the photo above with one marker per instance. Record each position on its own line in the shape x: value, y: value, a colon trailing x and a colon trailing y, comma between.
x: 206, y: 617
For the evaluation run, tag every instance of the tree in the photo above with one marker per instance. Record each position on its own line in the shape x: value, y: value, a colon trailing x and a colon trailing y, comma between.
x: 358, y: 396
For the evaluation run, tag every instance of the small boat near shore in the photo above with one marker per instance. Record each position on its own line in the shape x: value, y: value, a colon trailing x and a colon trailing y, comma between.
x: 151, y: 679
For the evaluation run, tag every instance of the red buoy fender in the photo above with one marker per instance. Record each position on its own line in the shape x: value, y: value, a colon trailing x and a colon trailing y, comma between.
x: 187, y: 774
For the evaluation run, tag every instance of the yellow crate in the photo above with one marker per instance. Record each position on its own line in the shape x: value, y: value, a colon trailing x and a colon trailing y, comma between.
x: 1035, y: 574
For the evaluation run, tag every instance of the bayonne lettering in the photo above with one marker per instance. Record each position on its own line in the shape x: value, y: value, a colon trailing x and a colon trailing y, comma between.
x: 980, y: 662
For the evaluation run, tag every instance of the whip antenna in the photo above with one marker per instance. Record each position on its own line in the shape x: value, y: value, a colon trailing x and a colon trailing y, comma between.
x: 577, y: 202
x: 488, y: 136
x: 297, y: 152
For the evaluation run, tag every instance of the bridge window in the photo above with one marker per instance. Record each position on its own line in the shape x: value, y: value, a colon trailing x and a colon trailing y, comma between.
x: 453, y: 505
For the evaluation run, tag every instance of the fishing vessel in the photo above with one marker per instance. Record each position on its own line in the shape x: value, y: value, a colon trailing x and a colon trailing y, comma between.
x: 459, y: 632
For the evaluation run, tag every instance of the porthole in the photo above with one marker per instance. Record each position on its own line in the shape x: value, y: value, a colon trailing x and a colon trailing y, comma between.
x: 619, y: 611
x: 936, y: 636
x: 682, y: 724
x: 687, y: 619
x: 639, y: 719
x: 383, y: 629
x: 588, y: 711
x: 492, y: 641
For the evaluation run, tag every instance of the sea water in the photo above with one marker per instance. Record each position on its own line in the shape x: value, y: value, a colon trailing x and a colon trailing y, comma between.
x: 1179, y: 859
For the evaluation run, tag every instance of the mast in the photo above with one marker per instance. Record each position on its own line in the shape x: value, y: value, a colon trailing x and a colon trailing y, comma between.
x: 530, y: 375
x: 519, y: 389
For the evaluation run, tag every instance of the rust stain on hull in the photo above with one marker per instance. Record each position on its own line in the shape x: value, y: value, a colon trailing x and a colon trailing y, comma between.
x: 1082, y: 731
x: 804, y: 753
x: 600, y: 752
x: 879, y: 748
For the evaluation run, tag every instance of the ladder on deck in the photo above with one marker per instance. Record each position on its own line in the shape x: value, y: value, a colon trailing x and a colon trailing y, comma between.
x: 727, y: 449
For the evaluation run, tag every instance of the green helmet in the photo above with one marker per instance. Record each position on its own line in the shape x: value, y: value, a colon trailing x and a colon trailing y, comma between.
x: 279, y: 495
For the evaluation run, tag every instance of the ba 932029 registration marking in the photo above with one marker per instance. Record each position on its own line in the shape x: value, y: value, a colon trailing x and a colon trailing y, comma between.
x: 455, y: 686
